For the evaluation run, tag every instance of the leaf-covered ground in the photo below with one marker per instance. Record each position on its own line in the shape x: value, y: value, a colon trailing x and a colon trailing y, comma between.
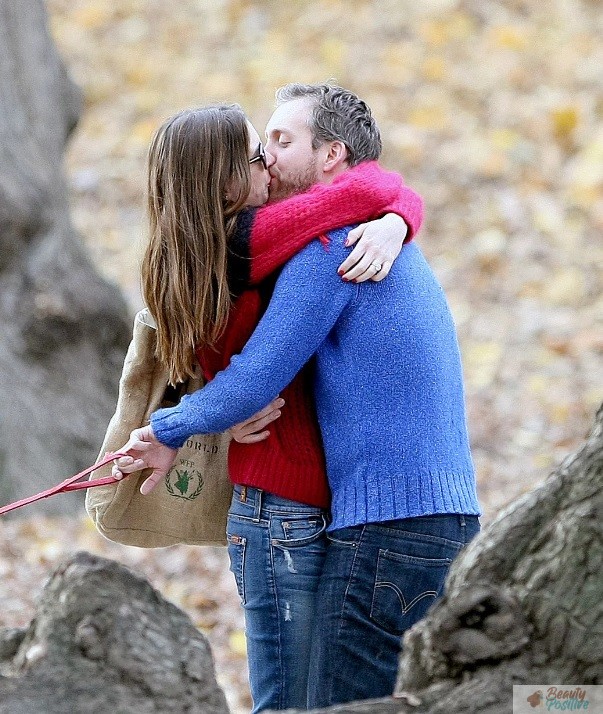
x: 493, y: 110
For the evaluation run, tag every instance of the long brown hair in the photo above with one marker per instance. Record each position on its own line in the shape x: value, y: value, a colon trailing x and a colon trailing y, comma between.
x: 196, y: 159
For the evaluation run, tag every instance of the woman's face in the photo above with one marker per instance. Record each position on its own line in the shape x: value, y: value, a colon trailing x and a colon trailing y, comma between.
x: 259, y: 163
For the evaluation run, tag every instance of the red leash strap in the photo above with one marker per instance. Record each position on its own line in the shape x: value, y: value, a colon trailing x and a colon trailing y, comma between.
x: 69, y: 484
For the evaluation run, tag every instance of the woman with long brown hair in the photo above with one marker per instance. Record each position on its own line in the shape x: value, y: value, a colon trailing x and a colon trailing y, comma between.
x: 207, y: 278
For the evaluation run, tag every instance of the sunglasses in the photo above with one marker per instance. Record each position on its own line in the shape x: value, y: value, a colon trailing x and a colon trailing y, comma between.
x: 261, y: 156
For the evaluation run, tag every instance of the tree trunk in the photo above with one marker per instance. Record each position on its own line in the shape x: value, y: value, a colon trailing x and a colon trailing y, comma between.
x: 63, y: 329
x: 104, y: 640
x: 523, y: 604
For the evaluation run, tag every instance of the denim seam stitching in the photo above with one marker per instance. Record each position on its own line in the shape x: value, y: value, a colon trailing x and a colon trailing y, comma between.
x: 281, y: 694
x: 239, y: 575
x: 345, y: 597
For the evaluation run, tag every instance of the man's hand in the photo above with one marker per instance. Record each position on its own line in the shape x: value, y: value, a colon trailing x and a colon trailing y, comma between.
x: 378, y: 244
x: 144, y: 452
x: 253, y: 430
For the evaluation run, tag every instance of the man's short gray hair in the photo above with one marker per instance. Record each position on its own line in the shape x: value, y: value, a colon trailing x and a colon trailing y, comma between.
x: 338, y: 115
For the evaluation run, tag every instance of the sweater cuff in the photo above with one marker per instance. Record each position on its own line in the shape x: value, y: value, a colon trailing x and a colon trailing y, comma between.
x: 409, y: 206
x: 169, y: 427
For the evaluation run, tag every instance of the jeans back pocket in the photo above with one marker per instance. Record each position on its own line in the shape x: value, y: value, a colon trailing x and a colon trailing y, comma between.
x: 405, y: 588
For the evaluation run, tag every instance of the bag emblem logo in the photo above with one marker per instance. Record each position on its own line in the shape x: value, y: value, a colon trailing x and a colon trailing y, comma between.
x: 184, y: 482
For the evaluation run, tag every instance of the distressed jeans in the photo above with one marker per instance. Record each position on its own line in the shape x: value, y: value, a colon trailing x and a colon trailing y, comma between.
x: 378, y: 580
x: 277, y: 549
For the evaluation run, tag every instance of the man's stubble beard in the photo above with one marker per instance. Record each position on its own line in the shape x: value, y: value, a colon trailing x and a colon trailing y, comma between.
x: 299, y: 183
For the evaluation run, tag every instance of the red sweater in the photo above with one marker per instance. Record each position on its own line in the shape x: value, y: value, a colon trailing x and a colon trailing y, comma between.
x: 290, y: 463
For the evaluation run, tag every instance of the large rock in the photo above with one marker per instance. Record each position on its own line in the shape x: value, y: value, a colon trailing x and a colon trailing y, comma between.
x: 103, y: 640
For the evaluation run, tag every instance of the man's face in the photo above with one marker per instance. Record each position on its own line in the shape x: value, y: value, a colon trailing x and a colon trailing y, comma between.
x: 289, y: 140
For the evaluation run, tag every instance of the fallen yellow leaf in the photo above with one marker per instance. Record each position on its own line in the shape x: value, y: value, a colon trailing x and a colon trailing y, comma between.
x: 238, y: 643
x: 564, y: 120
x: 509, y: 37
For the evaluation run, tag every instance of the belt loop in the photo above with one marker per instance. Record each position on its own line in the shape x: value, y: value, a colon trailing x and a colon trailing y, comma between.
x: 462, y: 521
x: 258, y: 505
x: 243, y: 494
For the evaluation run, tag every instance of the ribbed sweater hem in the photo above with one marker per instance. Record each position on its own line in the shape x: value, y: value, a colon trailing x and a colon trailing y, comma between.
x: 402, y: 496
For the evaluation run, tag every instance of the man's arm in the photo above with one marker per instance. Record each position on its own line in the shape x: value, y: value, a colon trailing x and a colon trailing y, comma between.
x: 308, y: 298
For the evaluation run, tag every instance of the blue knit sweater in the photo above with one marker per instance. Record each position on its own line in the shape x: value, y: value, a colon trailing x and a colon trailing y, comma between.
x: 388, y: 385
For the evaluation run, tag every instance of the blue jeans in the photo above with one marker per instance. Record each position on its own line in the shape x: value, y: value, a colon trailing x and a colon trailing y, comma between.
x: 277, y: 549
x: 378, y: 580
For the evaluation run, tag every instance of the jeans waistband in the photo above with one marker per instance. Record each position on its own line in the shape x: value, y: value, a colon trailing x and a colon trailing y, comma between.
x: 255, y: 500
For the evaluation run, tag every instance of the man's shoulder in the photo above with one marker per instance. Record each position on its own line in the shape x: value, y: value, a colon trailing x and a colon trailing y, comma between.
x: 317, y: 262
x: 340, y: 234
x: 329, y: 246
x: 333, y: 241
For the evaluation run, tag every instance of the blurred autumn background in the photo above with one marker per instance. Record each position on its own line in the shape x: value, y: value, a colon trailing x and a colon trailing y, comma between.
x: 492, y: 110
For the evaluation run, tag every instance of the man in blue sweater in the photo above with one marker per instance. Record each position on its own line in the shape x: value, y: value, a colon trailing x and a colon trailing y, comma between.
x: 390, y: 403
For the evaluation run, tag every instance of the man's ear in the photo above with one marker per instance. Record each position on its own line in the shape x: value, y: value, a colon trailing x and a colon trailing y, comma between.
x: 336, y: 157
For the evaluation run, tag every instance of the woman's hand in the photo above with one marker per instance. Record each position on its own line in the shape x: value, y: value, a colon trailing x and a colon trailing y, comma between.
x: 378, y: 244
x: 253, y: 429
x: 144, y: 452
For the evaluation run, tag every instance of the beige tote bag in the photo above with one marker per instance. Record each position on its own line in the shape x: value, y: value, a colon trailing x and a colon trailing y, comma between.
x: 191, y: 504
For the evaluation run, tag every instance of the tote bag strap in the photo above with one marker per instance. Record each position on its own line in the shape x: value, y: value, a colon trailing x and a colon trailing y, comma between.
x: 69, y: 484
